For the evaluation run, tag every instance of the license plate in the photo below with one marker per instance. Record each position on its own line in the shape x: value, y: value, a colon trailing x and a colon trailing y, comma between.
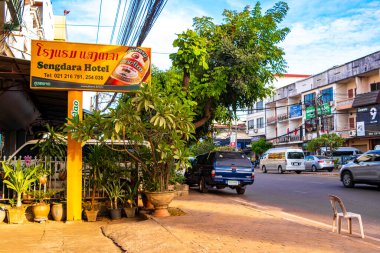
x: 296, y: 164
x: 232, y: 182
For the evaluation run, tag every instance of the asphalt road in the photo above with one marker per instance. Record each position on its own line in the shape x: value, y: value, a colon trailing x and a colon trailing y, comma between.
x: 306, y: 195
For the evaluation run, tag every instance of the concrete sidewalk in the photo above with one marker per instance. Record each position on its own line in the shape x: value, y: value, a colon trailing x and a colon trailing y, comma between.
x: 220, y: 224
x: 212, y: 223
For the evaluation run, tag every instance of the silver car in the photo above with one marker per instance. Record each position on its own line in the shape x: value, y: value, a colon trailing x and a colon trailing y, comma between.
x: 363, y: 170
x: 318, y: 162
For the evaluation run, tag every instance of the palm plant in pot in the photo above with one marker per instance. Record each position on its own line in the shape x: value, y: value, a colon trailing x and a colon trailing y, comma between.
x: 115, y: 192
x: 18, y: 178
x: 155, y: 127
x: 130, y: 199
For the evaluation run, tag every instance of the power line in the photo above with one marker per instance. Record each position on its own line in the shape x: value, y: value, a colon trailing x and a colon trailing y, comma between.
x: 100, y: 14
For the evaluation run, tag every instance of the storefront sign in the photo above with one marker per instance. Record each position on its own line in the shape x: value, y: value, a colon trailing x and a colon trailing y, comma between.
x: 324, y: 109
x: 295, y: 111
x: 369, y: 117
x: 360, y: 128
x: 78, y: 66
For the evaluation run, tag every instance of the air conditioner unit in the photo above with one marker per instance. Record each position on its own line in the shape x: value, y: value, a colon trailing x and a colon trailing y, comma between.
x: 255, y: 130
x: 352, y: 132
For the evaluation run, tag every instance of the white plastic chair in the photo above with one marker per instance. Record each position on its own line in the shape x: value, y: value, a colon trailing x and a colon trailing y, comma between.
x: 338, y: 216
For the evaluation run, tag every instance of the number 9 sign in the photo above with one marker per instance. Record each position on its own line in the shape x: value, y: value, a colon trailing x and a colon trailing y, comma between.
x: 373, y: 112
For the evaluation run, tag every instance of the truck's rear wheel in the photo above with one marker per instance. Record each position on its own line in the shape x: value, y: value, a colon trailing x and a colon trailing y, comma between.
x: 264, y: 169
x: 202, y: 185
x: 240, y: 190
x: 280, y: 170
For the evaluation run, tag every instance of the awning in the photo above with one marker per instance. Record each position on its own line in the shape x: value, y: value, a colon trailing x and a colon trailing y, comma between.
x: 21, y: 107
x: 365, y: 99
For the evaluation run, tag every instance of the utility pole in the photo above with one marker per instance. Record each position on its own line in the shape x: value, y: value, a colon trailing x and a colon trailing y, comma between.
x: 316, y: 114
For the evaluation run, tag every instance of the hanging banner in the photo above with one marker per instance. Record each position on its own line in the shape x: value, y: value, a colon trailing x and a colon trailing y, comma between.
x: 295, y: 111
x: 92, y: 67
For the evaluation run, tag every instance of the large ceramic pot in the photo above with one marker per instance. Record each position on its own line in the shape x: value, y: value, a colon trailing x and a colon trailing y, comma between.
x: 91, y: 215
x: 41, y: 212
x: 160, y: 201
x: 58, y: 212
x: 2, y: 214
x: 16, y: 215
x: 130, y: 212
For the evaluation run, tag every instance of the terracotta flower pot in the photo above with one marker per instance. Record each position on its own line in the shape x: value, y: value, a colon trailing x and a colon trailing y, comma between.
x: 16, y: 215
x: 58, y: 212
x: 161, y: 201
x: 91, y: 215
x: 41, y: 212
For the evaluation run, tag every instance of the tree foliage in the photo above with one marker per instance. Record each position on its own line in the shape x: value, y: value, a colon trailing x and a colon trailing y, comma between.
x: 155, y: 127
x: 230, y: 65
x: 330, y: 141
x: 260, y: 146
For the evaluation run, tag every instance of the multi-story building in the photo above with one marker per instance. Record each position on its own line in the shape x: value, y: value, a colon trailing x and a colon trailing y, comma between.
x: 344, y: 100
x: 22, y: 21
x: 256, y: 120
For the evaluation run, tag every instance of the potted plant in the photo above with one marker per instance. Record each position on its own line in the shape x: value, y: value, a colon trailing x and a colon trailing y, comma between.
x: 130, y: 200
x: 155, y: 127
x: 18, y: 178
x: 115, y: 193
x: 41, y: 208
x: 2, y: 214
x: 98, y: 160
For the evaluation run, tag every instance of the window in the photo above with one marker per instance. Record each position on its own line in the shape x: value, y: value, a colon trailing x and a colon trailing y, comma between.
x: 327, y: 95
x: 260, y: 123
x: 250, y: 110
x: 351, y: 122
x: 280, y: 155
x: 327, y: 124
x: 251, y: 124
x: 295, y: 155
x: 350, y: 93
x: 309, y: 99
x: 375, y: 86
x: 260, y: 105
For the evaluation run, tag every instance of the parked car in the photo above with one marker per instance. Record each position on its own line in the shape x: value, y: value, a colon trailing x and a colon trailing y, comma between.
x: 363, y: 170
x: 318, y: 162
x: 283, y: 159
x: 221, y: 169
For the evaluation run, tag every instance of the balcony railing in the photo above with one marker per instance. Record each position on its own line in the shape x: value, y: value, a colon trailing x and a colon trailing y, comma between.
x: 281, y: 117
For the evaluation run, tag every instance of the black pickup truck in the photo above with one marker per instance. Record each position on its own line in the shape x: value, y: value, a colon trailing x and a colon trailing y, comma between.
x: 221, y: 169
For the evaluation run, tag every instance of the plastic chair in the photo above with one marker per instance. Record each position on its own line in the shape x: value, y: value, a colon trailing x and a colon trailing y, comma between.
x: 338, y: 216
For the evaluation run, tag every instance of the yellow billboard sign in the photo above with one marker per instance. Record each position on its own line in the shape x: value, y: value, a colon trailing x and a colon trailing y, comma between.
x: 93, y: 67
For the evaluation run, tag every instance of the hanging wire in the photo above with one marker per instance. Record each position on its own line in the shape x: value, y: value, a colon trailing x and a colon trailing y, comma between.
x: 100, y: 14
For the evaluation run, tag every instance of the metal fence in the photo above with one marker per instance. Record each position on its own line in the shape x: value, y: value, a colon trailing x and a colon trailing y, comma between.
x: 56, y: 181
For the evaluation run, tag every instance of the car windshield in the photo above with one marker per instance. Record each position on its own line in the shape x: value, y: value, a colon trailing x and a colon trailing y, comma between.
x: 321, y: 157
x: 295, y: 155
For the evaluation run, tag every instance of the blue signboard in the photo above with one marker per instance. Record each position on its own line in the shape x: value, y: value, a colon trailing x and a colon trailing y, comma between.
x: 295, y: 111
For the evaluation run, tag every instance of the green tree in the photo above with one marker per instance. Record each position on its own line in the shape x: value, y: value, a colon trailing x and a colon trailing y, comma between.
x: 330, y: 141
x: 260, y: 146
x: 203, y: 147
x: 228, y: 66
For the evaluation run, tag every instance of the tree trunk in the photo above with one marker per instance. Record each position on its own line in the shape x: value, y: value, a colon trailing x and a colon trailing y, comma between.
x: 207, y: 114
x: 186, y: 79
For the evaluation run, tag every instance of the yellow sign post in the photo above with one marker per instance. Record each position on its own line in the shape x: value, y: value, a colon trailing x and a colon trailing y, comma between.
x: 74, y: 162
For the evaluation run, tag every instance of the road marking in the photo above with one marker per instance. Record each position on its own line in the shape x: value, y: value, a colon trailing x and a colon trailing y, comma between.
x: 301, y: 192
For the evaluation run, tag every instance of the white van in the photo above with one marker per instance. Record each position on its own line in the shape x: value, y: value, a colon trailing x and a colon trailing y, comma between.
x: 283, y: 159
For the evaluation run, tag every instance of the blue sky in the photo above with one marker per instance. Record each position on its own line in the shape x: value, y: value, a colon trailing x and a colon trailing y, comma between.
x: 324, y: 33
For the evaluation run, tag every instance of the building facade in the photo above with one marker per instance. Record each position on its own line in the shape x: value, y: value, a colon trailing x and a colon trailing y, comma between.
x: 256, y: 121
x: 344, y: 100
